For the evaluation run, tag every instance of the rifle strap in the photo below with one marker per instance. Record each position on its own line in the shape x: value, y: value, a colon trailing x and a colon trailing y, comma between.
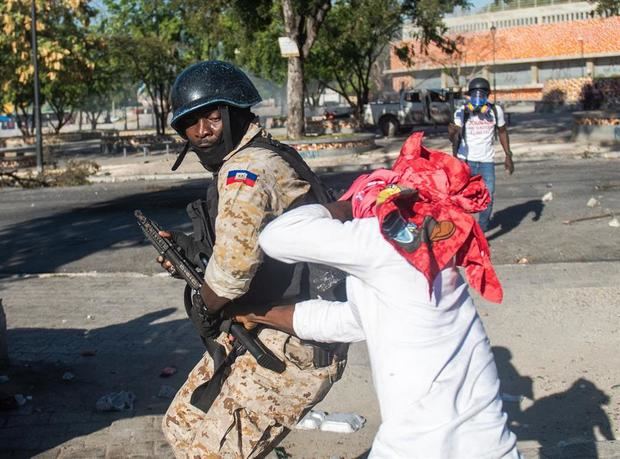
x: 205, y: 394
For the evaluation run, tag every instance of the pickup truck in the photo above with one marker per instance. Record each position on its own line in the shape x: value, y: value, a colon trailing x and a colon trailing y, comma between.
x: 415, y: 107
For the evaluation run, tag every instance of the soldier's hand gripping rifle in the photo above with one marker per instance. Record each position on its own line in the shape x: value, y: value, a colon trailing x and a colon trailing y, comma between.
x: 194, y: 279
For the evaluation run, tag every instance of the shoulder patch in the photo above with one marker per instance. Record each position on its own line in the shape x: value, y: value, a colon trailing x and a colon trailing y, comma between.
x: 241, y: 176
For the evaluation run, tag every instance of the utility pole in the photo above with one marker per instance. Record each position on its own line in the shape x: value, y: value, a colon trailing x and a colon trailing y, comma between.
x: 37, y: 102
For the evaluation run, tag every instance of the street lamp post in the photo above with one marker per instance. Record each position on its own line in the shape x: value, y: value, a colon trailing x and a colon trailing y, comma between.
x: 37, y: 104
x: 493, y: 30
x: 583, y: 64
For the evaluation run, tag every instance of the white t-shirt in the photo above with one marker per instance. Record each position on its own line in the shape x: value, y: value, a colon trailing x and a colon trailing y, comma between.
x: 431, y: 360
x: 478, y: 142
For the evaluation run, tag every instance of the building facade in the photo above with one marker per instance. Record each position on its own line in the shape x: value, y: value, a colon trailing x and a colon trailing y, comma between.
x: 519, y: 50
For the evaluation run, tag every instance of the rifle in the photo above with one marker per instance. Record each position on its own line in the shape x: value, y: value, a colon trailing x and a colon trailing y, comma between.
x: 264, y: 357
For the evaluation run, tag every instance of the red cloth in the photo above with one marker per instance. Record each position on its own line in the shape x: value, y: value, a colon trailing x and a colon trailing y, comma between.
x: 447, y: 192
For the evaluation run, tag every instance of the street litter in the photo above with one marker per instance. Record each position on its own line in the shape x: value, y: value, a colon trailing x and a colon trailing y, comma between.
x: 614, y: 223
x: 333, y: 422
x: 166, y: 391
x: 20, y: 399
x: 90, y: 317
x: 583, y: 219
x: 311, y: 421
x: 68, y: 376
x: 342, y: 423
x: 167, y: 371
x: 523, y: 261
x: 116, y: 401
x: 607, y: 186
x: 593, y: 202
x: 547, y: 196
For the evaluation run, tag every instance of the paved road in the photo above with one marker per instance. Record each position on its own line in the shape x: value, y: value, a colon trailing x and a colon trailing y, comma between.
x: 555, y: 336
x: 92, y: 228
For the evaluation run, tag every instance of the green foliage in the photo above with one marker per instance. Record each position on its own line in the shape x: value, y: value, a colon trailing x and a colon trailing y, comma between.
x: 61, y: 28
x: 607, y: 7
x: 148, y: 44
x: 426, y: 17
x: 353, y: 36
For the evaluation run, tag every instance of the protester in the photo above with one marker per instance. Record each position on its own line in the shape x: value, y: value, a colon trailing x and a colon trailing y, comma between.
x: 472, y: 135
x: 432, y: 365
x: 230, y: 406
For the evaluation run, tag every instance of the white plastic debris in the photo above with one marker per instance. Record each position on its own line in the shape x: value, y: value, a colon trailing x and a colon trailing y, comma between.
x: 311, y: 421
x: 523, y: 261
x: 614, y: 223
x: 342, y: 423
x: 20, y: 399
x: 117, y: 401
x: 548, y: 196
x: 90, y: 317
x: 4, y: 379
x: 68, y: 376
x: 593, y: 202
x: 332, y: 422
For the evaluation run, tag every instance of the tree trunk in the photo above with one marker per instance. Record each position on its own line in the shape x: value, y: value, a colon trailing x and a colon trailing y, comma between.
x: 295, y: 98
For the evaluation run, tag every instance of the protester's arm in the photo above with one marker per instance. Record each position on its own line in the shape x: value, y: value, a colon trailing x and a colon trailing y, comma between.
x: 316, y: 320
x: 310, y: 234
x: 280, y: 317
x: 502, y: 133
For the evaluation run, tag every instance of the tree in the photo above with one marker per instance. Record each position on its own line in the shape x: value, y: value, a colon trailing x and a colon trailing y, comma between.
x: 99, y: 81
x: 353, y: 36
x: 607, y: 7
x: 302, y: 21
x: 56, y: 49
x: 146, y: 37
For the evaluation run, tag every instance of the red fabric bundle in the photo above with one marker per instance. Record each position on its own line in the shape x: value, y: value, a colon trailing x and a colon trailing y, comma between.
x: 447, y: 192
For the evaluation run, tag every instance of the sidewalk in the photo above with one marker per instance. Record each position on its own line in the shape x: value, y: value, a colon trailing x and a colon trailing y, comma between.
x: 525, y: 147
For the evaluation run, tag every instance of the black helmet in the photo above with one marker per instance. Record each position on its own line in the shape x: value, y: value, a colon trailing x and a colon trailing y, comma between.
x: 210, y: 83
x: 479, y: 83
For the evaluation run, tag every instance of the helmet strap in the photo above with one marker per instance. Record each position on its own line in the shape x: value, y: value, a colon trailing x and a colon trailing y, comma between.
x: 181, y: 156
x: 225, y: 114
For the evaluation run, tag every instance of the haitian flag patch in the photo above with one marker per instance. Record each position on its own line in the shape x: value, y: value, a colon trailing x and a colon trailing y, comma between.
x: 241, y: 176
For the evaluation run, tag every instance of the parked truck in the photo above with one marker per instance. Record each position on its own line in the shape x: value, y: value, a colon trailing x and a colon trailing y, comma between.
x: 414, y: 107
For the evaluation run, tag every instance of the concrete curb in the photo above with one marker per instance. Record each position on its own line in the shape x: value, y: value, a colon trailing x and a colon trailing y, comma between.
x: 363, y: 161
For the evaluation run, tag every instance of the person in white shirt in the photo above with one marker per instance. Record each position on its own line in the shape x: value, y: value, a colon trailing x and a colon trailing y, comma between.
x: 474, y: 143
x: 431, y: 361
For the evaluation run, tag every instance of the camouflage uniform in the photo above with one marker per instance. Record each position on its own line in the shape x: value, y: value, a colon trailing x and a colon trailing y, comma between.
x: 256, y: 406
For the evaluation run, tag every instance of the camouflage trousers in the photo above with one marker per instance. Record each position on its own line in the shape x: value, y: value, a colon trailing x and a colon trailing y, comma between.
x: 256, y: 407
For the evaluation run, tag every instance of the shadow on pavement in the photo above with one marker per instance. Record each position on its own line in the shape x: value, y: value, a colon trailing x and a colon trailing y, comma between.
x: 508, y: 219
x: 123, y: 357
x: 44, y: 244
x: 563, y: 423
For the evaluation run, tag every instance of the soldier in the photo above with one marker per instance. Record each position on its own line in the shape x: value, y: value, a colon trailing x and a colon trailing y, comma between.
x: 230, y: 406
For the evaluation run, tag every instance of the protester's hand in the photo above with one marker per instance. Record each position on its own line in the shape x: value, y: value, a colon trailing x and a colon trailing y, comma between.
x: 509, y: 164
x: 247, y: 320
